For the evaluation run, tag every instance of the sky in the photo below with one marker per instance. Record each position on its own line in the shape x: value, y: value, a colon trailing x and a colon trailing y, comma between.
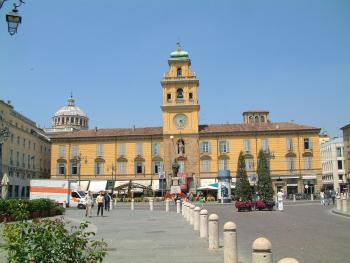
x: 290, y: 57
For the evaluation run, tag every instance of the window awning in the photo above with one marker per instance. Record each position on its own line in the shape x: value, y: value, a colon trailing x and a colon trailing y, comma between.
x: 97, y: 186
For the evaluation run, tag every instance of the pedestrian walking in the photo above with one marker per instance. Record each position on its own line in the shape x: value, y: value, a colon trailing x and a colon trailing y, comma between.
x: 107, y: 201
x: 333, y: 195
x: 322, y: 198
x: 100, y: 202
x: 89, y: 202
x: 280, y: 200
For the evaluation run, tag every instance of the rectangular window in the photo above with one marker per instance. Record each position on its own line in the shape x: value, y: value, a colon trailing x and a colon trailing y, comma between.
x: 11, y: 157
x: 62, y: 151
x: 98, y: 168
x: 156, y: 149
x: 290, y: 144
x: 139, y: 168
x: 74, y: 151
x: 339, y: 152
x: 12, y: 138
x: 182, y: 166
x: 205, y: 147
x: 28, y: 160
x: 168, y: 97
x: 223, y: 164
x: 307, y: 144
x: 139, y: 149
x: 190, y: 96
x: 307, y: 162
x: 24, y: 142
x: 246, y: 145
x: 224, y: 146
x: 17, y: 158
x: 34, y: 146
x: 61, y: 169
x: 340, y: 165
x: 121, y: 149
x: 265, y: 145
x: 290, y: 161
x: 29, y: 142
x: 205, y: 165
x: 18, y: 140
x: 157, y: 167
x: 122, y: 167
x: 99, y: 150
x: 16, y: 190
x: 74, y: 169
x: 23, y: 160
x: 249, y: 164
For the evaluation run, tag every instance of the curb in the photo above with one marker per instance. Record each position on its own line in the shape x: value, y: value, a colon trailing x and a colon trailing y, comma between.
x: 335, y: 211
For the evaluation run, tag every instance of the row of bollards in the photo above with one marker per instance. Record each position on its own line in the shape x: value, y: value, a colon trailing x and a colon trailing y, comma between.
x: 341, y: 203
x: 209, y: 229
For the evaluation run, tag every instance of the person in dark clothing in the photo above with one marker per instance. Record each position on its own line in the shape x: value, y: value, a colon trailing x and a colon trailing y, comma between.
x: 100, y: 201
x: 107, y: 201
x: 333, y: 195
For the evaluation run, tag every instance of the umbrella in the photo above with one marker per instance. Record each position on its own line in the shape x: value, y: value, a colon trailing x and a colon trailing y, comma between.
x: 214, y: 186
x: 4, y: 182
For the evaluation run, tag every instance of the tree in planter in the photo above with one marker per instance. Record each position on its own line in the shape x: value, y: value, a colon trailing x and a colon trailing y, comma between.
x: 264, y: 180
x: 48, y: 240
x: 243, y: 190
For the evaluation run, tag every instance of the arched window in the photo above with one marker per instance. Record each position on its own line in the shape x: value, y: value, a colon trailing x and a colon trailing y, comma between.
x: 179, y: 72
x: 180, y: 146
x: 262, y: 119
x: 179, y: 94
x: 80, y: 122
x: 256, y: 119
x: 250, y: 119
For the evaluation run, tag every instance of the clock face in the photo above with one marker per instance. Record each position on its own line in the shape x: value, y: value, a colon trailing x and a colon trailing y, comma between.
x: 180, y: 120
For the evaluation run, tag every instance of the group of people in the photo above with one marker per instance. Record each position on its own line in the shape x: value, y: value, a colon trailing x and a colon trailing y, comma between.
x: 103, y: 202
x: 326, y: 197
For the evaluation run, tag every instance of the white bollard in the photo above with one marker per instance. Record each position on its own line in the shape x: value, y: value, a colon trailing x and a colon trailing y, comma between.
x: 178, y: 206
x: 261, y: 251
x: 203, y: 224
x: 167, y: 205
x: 196, y: 218
x: 344, y: 207
x: 288, y: 260
x: 230, y: 243
x: 294, y: 199
x: 312, y: 197
x: 192, y: 214
x: 338, y: 203
x: 111, y: 205
x: 151, y: 204
x: 183, y: 209
x: 213, y: 231
x: 187, y: 212
x: 132, y: 204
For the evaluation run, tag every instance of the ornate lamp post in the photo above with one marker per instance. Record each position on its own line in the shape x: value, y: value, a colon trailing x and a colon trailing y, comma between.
x: 13, y: 19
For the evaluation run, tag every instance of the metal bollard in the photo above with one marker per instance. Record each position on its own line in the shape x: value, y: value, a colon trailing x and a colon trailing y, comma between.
x: 151, y: 204
x: 178, y: 206
x: 203, y: 224
x: 288, y: 260
x: 338, y: 203
x: 167, y: 205
x: 344, y: 207
x: 132, y: 204
x: 192, y: 214
x: 261, y: 251
x: 230, y: 243
x: 213, y: 231
x: 294, y: 199
x: 196, y: 218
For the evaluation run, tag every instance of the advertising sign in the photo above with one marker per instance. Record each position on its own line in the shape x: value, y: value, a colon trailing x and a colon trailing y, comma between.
x: 224, y: 190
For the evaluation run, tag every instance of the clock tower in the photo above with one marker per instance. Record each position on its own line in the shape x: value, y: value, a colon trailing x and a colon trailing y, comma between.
x: 180, y: 95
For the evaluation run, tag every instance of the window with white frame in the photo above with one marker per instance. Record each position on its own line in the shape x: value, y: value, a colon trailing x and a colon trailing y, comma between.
x: 205, y: 165
x: 265, y: 145
x: 74, y: 168
x: 246, y: 145
x: 249, y: 164
x: 205, y: 147
x: 121, y: 149
x: 307, y: 162
x: 99, y: 150
x: 157, y: 167
x: 74, y: 151
x: 62, y: 151
x: 291, y: 163
x: 61, y: 169
x: 339, y: 152
x: 289, y: 144
x: 98, y: 168
x: 307, y: 144
x: 224, y: 146
x: 139, y: 149
x: 223, y: 164
x: 155, y: 149
x: 139, y: 167
x: 122, y: 167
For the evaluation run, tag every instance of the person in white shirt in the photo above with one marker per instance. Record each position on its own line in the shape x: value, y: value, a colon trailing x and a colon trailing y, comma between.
x: 89, y: 202
x: 280, y: 200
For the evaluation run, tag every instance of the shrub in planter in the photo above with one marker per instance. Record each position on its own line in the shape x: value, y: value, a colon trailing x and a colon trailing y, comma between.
x: 260, y: 205
x: 244, y: 205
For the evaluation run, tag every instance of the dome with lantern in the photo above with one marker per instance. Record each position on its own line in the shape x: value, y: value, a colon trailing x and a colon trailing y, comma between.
x: 70, y: 116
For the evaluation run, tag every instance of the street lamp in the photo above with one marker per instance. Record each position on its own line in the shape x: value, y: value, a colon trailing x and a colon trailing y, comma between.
x: 13, y: 19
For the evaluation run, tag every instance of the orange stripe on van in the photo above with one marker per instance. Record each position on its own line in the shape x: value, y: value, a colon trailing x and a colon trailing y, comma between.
x: 40, y: 189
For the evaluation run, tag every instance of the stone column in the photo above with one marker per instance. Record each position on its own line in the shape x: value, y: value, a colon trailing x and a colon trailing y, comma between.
x: 132, y: 204
x: 338, y: 203
x: 196, y: 218
x: 178, y: 207
x: 167, y: 205
x: 344, y: 206
x: 192, y: 214
x: 213, y: 231
x: 288, y: 260
x: 230, y: 243
x: 203, y: 224
x: 262, y: 251
x: 151, y: 204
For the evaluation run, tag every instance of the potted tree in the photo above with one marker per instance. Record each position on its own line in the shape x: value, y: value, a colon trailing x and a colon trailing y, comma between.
x: 264, y: 183
x: 243, y: 190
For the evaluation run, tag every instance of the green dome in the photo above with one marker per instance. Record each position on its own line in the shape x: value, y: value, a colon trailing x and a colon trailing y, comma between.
x: 179, y: 53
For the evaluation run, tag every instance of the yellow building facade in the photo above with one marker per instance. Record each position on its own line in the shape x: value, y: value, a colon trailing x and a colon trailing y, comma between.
x: 145, y: 154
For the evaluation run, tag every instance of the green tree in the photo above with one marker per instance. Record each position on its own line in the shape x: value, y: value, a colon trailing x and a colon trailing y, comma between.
x: 264, y: 180
x: 243, y: 190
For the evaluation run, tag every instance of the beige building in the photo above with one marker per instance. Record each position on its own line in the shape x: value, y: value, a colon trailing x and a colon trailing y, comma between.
x: 346, y: 139
x: 25, y: 153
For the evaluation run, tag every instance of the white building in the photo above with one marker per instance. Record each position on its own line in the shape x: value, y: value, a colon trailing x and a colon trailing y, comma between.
x: 332, y: 161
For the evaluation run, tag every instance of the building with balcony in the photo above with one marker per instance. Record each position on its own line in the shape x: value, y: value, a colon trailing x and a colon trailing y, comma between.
x: 201, y: 150
x: 25, y: 154
x: 332, y: 161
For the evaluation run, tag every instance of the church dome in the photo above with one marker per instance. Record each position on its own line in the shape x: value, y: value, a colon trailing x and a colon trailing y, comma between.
x: 70, y: 116
x: 179, y: 53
